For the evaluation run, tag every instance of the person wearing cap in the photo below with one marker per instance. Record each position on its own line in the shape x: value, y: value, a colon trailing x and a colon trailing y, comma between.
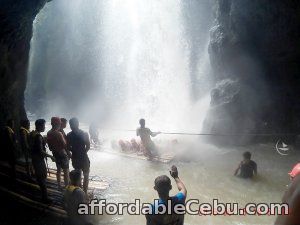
x: 58, y: 145
x: 292, y: 198
x: 247, y: 167
x: 38, y: 153
x: 162, y: 185
x: 145, y: 134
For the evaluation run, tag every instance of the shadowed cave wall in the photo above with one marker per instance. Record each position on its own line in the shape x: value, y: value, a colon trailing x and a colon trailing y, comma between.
x: 16, y: 17
x: 254, y: 53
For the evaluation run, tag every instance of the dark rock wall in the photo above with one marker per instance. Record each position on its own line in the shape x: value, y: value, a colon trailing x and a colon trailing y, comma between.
x: 16, y: 17
x: 254, y: 52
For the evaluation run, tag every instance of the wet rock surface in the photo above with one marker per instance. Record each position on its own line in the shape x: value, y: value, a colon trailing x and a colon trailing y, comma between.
x: 255, y: 53
x: 16, y: 19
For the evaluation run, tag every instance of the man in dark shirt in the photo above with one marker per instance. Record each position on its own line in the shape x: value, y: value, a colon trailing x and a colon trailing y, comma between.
x: 78, y: 143
x: 163, y: 187
x: 38, y: 155
x: 247, y: 167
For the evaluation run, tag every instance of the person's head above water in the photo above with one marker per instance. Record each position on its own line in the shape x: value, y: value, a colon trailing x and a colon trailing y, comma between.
x: 25, y: 123
x: 40, y: 125
x: 162, y: 184
x: 63, y: 123
x: 55, y: 122
x: 142, y: 122
x: 247, y: 155
x: 75, y: 177
x: 74, y: 123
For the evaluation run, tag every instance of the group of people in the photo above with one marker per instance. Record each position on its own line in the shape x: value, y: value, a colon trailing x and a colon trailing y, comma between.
x: 75, y: 145
x: 64, y: 147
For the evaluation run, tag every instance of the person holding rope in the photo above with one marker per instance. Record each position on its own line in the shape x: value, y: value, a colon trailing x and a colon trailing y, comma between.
x: 145, y: 134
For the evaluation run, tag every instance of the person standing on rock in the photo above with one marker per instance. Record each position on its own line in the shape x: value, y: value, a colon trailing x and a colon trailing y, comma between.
x: 58, y: 145
x: 79, y: 144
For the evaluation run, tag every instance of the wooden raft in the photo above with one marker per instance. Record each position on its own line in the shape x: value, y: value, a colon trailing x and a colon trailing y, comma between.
x: 27, y: 192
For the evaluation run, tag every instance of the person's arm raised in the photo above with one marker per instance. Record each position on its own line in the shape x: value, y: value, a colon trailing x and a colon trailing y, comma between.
x: 180, y: 185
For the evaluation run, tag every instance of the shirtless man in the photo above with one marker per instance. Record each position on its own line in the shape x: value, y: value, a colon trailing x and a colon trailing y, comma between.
x: 292, y: 198
x: 145, y: 134
x: 58, y: 145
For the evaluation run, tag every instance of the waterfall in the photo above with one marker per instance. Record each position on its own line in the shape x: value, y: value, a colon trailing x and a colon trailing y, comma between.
x: 120, y: 60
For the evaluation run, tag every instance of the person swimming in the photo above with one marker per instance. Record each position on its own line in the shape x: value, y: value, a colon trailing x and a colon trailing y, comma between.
x: 247, y: 167
x: 145, y: 134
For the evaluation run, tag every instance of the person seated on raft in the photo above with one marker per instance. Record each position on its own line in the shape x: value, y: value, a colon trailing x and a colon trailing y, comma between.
x: 292, y: 198
x: 162, y: 185
x: 145, y: 133
x: 125, y: 146
x: 136, y: 147
x: 247, y: 167
x: 74, y: 196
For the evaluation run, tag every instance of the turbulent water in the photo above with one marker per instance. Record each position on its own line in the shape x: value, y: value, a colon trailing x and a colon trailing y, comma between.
x: 207, y: 174
x: 115, y: 61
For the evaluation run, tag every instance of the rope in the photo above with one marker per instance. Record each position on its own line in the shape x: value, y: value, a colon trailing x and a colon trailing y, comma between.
x: 215, y: 134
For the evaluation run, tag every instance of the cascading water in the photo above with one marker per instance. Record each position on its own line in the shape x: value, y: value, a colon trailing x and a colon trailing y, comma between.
x: 135, y: 55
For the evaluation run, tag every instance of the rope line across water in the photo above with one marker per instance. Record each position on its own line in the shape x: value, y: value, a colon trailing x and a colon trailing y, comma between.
x: 215, y: 134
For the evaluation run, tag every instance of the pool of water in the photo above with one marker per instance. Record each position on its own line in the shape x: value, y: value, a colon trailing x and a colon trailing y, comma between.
x: 207, y: 174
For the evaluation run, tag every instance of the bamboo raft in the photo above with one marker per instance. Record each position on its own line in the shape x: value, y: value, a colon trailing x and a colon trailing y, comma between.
x: 27, y: 192
x: 164, y: 158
